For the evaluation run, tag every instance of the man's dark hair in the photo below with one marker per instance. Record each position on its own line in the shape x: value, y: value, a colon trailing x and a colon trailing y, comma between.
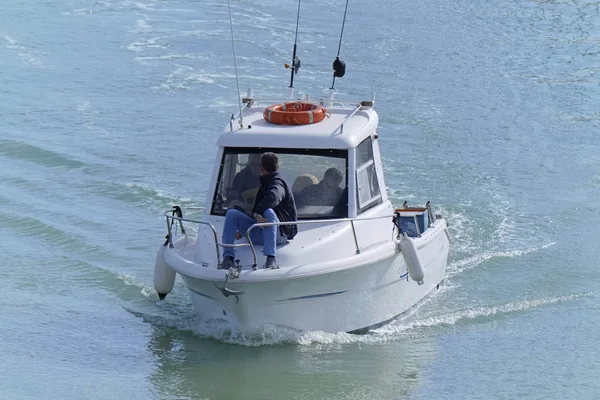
x: 269, y: 162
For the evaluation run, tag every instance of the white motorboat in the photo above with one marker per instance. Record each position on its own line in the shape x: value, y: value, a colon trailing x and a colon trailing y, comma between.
x: 349, y: 268
x: 356, y: 262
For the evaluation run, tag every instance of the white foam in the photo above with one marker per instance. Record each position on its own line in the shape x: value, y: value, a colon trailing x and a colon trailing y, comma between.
x: 81, y: 11
x: 129, y: 280
x: 148, y: 44
x: 459, y: 266
x: 84, y: 106
x: 26, y: 56
x: 142, y: 25
x: 30, y: 59
x: 166, y: 57
x: 150, y: 7
x: 221, y: 104
x: 583, y: 117
x: 473, y: 313
x: 184, y: 78
x: 159, y: 200
x: 143, y: 6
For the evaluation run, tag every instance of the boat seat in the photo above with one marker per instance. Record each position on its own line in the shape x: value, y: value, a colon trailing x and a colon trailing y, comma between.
x: 303, y: 181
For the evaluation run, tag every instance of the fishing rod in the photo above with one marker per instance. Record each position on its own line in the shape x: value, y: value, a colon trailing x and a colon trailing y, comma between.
x: 295, y: 59
x: 237, y: 79
x: 339, y: 67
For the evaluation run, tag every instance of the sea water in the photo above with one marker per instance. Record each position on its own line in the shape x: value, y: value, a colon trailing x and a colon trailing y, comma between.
x: 109, y: 113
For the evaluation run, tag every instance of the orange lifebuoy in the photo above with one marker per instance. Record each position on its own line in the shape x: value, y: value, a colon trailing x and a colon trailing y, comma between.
x: 297, y: 113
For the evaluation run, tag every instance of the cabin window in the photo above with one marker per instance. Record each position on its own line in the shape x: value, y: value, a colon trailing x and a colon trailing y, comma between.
x: 317, y: 179
x: 367, y: 185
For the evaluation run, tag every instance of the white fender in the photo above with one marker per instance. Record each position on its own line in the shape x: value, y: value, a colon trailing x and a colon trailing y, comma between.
x: 412, y: 259
x: 164, y: 275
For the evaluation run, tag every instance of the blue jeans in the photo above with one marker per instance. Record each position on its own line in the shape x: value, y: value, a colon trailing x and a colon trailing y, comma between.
x: 237, y: 221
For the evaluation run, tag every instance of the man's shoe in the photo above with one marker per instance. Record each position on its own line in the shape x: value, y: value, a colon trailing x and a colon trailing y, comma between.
x: 227, y: 263
x: 271, y: 263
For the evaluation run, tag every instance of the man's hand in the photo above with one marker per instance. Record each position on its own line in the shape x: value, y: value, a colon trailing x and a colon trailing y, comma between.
x: 259, y: 218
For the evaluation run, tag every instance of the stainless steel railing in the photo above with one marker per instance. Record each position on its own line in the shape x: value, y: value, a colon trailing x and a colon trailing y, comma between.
x: 172, y: 219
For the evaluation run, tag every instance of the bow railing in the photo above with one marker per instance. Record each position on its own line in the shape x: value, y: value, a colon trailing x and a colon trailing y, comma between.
x: 172, y: 219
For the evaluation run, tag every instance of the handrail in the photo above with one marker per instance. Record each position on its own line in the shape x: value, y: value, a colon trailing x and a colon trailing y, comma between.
x: 359, y: 104
x: 314, y: 221
x: 341, y: 126
x: 257, y: 101
x: 263, y: 224
x: 180, y: 219
x: 217, y: 243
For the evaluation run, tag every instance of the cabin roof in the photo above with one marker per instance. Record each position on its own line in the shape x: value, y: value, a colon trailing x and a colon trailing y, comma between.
x: 327, y: 134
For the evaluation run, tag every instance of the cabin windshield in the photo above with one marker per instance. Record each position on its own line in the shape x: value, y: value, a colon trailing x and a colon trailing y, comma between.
x: 317, y: 178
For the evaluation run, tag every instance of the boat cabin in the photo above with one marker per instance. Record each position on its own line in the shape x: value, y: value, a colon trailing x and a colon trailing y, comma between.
x: 333, y: 167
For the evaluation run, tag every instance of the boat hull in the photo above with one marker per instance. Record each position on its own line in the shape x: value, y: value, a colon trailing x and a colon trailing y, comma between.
x: 344, y: 300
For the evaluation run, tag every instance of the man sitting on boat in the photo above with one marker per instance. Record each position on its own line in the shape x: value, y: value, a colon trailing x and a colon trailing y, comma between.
x: 274, y: 202
x: 325, y: 193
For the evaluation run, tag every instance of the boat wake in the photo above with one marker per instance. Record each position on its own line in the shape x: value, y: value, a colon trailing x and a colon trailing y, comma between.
x: 176, y: 315
x: 412, y: 325
x: 464, y: 264
x: 35, y: 154
x: 474, y: 315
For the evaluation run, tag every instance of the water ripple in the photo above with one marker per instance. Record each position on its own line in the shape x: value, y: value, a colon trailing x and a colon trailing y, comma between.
x: 37, y: 155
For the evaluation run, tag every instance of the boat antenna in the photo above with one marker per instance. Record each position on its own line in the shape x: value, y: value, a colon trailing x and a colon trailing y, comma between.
x: 295, y: 59
x: 237, y: 79
x: 339, y: 67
